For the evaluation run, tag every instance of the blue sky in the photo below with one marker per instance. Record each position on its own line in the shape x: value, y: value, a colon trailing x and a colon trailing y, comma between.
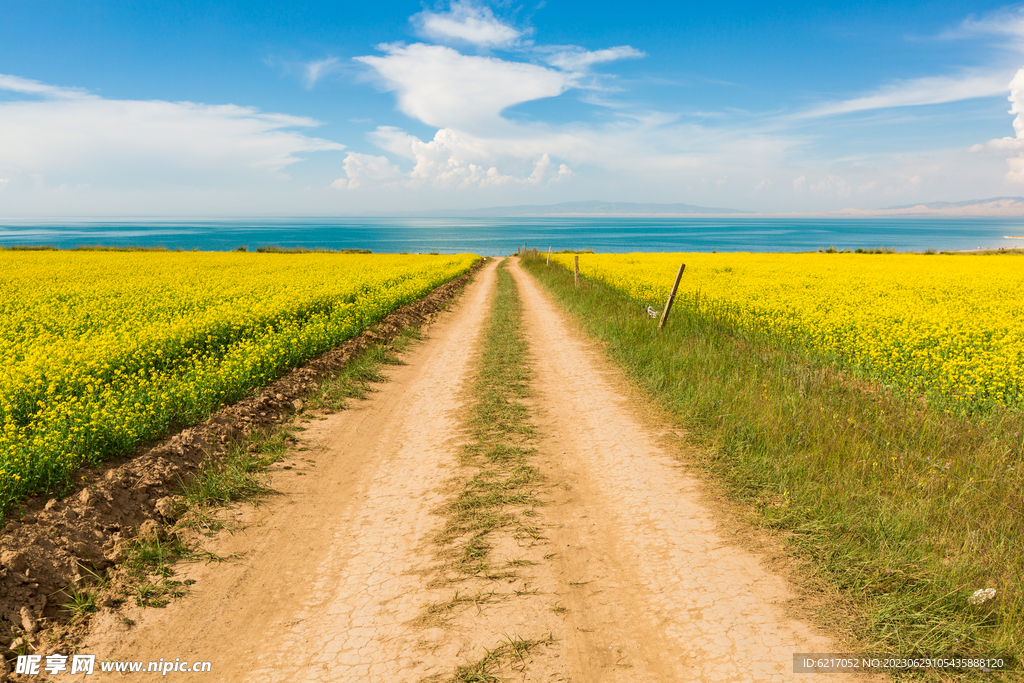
x: 199, y: 108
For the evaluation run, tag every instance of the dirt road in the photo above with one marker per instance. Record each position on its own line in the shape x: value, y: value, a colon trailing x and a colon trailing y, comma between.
x: 337, y: 578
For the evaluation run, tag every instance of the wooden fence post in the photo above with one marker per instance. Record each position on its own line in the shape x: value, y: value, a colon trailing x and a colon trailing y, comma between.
x: 672, y: 296
x: 548, y: 262
x: 576, y: 270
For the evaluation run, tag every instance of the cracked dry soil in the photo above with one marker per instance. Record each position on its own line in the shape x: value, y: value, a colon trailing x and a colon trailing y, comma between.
x: 632, y: 577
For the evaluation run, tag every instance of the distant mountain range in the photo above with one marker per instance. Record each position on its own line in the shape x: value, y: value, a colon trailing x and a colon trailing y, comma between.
x: 941, y: 206
x: 1005, y: 207
x: 996, y: 207
x: 591, y: 208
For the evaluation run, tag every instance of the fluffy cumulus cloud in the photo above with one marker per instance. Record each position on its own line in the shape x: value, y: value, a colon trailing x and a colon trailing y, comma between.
x: 362, y: 168
x: 76, y: 138
x: 450, y: 161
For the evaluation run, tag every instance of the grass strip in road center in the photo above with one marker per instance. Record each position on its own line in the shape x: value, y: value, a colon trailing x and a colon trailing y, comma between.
x: 500, y: 494
x: 897, y: 506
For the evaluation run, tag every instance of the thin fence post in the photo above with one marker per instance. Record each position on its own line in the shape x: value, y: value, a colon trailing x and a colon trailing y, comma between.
x: 576, y: 270
x: 548, y: 262
x: 672, y: 296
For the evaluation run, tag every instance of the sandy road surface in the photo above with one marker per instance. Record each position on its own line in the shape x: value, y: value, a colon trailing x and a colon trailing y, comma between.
x: 334, y: 575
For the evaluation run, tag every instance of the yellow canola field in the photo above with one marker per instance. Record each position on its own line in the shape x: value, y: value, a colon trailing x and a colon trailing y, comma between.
x: 102, y: 351
x: 951, y: 327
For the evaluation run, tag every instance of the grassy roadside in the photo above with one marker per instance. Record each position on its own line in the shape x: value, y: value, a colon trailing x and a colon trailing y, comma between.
x: 906, y: 511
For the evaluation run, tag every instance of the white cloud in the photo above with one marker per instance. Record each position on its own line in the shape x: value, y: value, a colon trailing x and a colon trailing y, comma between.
x: 541, y: 172
x: 661, y: 152
x: 26, y: 86
x: 468, y: 23
x: 76, y: 138
x: 442, y: 87
x: 1014, y: 144
x: 55, y: 137
x: 1016, y: 99
x: 454, y: 160
x: 1003, y: 22
x: 361, y: 168
x: 464, y: 96
x: 450, y: 160
x: 918, y: 91
x: 4, y: 181
x: 316, y: 70
x: 1016, y: 172
x: 573, y: 58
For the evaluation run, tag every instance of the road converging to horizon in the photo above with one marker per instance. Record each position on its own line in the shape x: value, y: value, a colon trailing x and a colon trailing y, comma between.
x: 630, y: 574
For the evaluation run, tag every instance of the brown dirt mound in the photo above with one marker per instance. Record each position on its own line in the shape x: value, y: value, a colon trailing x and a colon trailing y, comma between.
x: 57, y: 542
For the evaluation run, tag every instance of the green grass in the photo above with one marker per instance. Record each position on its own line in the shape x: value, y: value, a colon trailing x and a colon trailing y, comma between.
x: 889, y: 501
x: 355, y: 380
x: 271, y: 249
x: 500, y: 434
x: 513, y: 650
x: 150, y: 568
x: 237, y: 476
x: 153, y: 554
x: 81, y: 600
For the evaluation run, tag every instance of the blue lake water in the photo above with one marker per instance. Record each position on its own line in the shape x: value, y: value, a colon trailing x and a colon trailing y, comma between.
x: 499, y: 236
